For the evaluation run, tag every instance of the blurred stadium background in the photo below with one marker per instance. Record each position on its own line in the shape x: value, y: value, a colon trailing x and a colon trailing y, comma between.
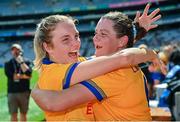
x: 18, y: 19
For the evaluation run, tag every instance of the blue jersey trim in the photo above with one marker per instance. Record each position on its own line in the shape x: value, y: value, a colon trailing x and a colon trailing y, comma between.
x: 47, y: 61
x: 146, y: 89
x: 69, y: 75
x: 92, y: 89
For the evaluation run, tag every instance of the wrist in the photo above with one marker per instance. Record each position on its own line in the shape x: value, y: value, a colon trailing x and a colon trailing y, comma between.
x: 144, y: 50
x: 141, y: 31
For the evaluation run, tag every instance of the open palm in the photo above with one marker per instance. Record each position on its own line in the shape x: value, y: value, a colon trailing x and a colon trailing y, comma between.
x: 147, y: 21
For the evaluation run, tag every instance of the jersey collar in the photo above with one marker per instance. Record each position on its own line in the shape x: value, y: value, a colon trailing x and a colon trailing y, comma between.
x: 47, y: 61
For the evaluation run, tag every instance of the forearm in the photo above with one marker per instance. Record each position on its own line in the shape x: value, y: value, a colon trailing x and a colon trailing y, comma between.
x: 24, y: 67
x: 98, y: 66
x: 41, y: 99
x: 62, y: 100
x: 136, y: 55
x: 104, y: 64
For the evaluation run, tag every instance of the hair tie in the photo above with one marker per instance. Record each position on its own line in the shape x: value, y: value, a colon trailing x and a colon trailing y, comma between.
x: 134, y: 30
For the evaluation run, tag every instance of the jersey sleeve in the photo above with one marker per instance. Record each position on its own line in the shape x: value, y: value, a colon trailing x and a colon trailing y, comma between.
x: 68, y: 75
x: 53, y: 76
x: 106, y: 85
x: 95, y: 89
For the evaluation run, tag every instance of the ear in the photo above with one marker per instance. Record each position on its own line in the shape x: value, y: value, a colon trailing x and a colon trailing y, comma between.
x: 123, y: 41
x: 47, y: 47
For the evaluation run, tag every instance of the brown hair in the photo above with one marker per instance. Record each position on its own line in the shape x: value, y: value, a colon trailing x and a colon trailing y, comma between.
x: 124, y: 26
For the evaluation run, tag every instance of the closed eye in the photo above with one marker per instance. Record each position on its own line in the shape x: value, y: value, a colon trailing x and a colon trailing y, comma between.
x: 65, y: 40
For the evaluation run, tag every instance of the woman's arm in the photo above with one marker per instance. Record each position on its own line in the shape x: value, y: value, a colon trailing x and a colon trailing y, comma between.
x: 79, y: 94
x: 73, y: 96
x: 104, y: 64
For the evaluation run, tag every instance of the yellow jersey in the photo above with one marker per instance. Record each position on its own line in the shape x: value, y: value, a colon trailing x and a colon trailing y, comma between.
x: 57, y: 77
x: 52, y: 78
x: 82, y: 112
x: 121, y: 95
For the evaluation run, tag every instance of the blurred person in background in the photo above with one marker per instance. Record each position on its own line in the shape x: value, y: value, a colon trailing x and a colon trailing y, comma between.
x: 144, y: 67
x: 18, y: 71
x: 168, y: 49
x: 174, y: 59
x: 155, y: 73
x: 167, y: 98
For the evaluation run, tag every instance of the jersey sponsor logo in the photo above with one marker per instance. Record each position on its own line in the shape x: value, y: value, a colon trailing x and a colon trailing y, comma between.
x: 89, y: 109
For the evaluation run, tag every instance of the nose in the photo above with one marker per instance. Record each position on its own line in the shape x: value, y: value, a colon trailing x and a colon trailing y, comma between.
x: 76, y: 43
x: 96, y: 38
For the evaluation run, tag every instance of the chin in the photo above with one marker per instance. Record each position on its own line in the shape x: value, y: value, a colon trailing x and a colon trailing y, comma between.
x: 74, y: 60
x: 98, y: 54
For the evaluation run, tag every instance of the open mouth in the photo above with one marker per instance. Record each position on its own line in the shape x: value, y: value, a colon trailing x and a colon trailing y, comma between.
x: 98, y: 47
x: 73, y: 54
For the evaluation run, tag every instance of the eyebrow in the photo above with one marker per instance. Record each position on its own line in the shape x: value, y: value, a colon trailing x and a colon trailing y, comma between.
x: 64, y: 36
x: 102, y: 30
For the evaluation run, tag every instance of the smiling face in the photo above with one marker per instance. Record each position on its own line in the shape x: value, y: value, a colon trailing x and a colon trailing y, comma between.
x: 105, y: 39
x: 65, y: 44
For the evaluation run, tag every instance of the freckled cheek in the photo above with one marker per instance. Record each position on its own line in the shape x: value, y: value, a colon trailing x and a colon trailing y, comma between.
x: 79, y: 45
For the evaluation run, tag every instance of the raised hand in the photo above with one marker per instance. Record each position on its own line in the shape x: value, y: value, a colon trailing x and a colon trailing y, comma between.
x: 19, y: 59
x: 146, y: 21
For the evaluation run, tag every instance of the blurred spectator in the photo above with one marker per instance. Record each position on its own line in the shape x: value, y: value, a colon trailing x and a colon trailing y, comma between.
x: 144, y: 68
x: 173, y: 81
x: 18, y: 71
x: 174, y: 60
x: 155, y: 73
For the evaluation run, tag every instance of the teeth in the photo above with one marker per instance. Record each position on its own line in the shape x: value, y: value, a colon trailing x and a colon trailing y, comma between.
x: 98, y: 47
x: 75, y: 51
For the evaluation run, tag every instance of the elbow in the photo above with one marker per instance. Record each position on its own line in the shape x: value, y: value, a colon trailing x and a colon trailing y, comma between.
x: 56, y: 107
x: 46, y: 107
x: 42, y: 103
x: 33, y: 94
x: 45, y: 103
x: 51, y: 107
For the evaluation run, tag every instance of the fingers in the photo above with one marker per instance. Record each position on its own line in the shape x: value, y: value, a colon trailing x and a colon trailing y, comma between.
x: 153, y: 26
x: 154, y: 13
x: 146, y: 9
x: 156, y: 18
x: 136, y: 19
